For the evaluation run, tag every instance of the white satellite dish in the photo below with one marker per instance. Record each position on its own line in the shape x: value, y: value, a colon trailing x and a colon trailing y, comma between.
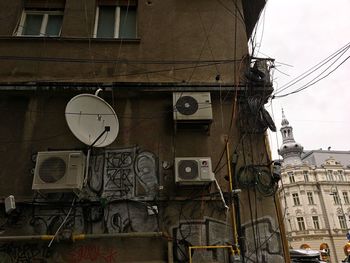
x: 92, y: 120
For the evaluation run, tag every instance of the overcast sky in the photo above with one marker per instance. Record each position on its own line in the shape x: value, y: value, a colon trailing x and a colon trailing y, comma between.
x: 301, y: 33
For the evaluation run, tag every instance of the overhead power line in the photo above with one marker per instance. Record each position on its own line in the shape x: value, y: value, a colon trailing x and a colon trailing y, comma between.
x: 313, y: 83
x: 336, y: 55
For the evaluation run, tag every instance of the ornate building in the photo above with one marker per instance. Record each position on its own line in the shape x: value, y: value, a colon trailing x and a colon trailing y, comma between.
x: 314, y: 194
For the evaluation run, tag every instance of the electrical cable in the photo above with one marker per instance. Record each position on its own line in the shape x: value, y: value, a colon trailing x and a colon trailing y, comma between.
x: 252, y: 39
x: 231, y: 12
x: 37, y: 140
x: 253, y: 227
x: 263, y: 28
x: 204, y: 43
x: 313, y: 69
x: 313, y: 83
x: 131, y: 73
x: 63, y: 222
x: 221, y: 195
x: 118, y: 52
x: 116, y: 60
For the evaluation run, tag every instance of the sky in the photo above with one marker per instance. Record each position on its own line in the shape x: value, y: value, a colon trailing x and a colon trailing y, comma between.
x: 300, y: 34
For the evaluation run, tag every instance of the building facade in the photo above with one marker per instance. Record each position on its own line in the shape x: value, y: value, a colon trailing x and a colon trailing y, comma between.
x: 148, y: 57
x: 314, y: 194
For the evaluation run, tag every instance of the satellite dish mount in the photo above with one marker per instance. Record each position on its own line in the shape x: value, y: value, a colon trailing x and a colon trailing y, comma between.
x: 87, y: 115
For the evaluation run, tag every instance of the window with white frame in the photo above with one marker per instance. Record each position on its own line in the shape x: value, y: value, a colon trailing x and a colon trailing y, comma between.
x: 40, y: 23
x: 301, y: 223
x: 296, y: 199
x: 291, y: 177
x: 115, y: 21
x: 346, y: 198
x: 310, y: 198
x: 316, y: 222
x: 342, y: 222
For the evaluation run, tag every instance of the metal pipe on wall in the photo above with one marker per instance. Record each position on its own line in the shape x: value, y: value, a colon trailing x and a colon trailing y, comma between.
x: 233, y: 252
x: 83, y: 236
x: 233, y: 212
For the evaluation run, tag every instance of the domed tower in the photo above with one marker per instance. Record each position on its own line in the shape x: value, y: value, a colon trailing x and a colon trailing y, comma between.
x: 289, y: 150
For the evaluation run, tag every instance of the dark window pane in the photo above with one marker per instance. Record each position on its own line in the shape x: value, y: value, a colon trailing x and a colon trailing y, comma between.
x: 32, y: 25
x: 54, y: 24
x: 127, y: 26
x: 106, y: 22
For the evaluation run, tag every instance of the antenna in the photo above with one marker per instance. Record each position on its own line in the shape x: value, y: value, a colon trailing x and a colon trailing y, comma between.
x: 92, y: 120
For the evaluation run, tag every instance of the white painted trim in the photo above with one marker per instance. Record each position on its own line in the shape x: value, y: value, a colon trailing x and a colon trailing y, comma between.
x: 44, y: 25
x: 96, y: 21
x: 21, y: 24
x: 44, y: 21
x: 116, y: 22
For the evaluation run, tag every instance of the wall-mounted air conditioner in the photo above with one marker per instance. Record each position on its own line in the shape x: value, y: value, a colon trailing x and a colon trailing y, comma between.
x: 192, y: 106
x: 59, y: 171
x: 193, y: 170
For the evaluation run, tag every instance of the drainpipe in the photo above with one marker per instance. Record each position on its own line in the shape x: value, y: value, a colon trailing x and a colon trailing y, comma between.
x: 233, y: 211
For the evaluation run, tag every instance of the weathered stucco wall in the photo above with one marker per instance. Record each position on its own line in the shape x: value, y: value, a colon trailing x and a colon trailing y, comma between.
x: 120, y: 203
x: 182, y: 45
x: 166, y: 30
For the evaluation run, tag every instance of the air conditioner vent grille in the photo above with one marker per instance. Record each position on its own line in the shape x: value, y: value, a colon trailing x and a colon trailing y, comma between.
x: 187, y: 105
x: 52, y: 169
x: 193, y: 171
x: 192, y: 107
x: 188, y: 169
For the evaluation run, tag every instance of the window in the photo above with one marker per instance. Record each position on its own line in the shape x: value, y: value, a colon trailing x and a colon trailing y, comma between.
x: 306, y: 176
x: 330, y: 175
x: 346, y: 198
x: 341, y: 176
x: 342, y: 222
x: 316, y: 222
x: 291, y: 177
x: 42, y: 23
x: 310, y: 198
x: 296, y: 199
x: 115, y: 21
x: 336, y: 198
x: 301, y: 223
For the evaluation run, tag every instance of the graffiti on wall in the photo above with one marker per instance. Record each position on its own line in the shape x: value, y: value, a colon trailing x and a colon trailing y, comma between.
x: 129, y: 216
x: 202, y: 232
x: 92, y: 253
x: 96, y: 168
x: 262, y: 241
x: 46, y: 220
x: 24, y: 253
x: 129, y: 173
x: 119, y: 173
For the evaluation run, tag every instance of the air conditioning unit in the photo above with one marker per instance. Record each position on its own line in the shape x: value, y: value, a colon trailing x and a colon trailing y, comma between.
x: 192, y: 106
x: 193, y: 170
x: 59, y: 171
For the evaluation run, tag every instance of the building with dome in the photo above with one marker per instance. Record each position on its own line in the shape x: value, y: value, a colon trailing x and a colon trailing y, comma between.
x: 315, y: 196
